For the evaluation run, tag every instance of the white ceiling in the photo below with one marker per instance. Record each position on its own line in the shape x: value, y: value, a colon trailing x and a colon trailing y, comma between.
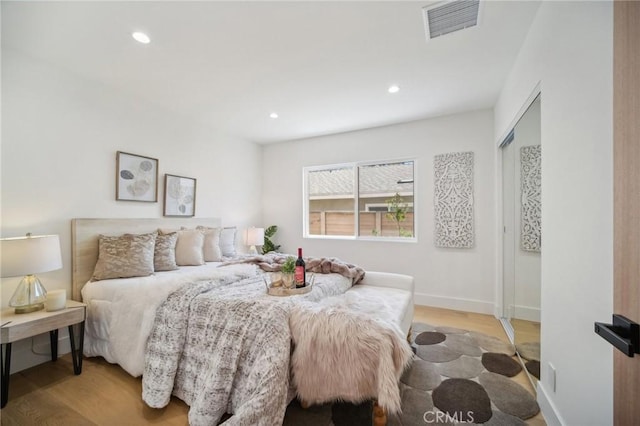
x: 324, y: 67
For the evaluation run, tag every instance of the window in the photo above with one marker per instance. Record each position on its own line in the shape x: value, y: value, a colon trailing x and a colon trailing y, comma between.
x: 361, y: 200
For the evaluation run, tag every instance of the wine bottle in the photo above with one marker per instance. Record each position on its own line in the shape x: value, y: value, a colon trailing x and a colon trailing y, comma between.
x: 301, y: 273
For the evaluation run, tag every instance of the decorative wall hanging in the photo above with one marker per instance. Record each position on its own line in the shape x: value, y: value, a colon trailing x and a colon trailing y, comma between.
x: 179, y: 196
x: 137, y: 177
x: 530, y: 187
x: 453, y: 200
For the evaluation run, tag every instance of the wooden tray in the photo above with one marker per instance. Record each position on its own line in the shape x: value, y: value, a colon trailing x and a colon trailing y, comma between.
x: 281, y: 291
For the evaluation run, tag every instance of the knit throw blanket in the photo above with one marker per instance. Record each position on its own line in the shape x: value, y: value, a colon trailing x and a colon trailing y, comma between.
x: 224, y: 347
x: 272, y: 262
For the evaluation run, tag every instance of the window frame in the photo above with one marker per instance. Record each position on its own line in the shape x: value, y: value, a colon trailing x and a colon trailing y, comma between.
x: 356, y: 197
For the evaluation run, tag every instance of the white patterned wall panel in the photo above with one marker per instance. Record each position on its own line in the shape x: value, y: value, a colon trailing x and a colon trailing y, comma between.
x: 453, y: 200
x: 530, y: 184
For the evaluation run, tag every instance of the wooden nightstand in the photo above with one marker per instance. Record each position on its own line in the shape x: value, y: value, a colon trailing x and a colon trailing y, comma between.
x: 16, y: 327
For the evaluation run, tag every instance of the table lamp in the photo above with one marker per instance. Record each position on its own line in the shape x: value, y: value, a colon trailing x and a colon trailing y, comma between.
x: 255, y: 237
x: 26, y: 256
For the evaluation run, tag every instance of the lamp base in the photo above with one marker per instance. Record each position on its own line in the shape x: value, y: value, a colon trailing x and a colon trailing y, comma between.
x: 29, y: 296
x: 29, y: 308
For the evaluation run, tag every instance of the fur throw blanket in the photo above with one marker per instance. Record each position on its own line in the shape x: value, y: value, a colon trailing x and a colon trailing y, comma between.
x: 272, y: 262
x: 346, y: 354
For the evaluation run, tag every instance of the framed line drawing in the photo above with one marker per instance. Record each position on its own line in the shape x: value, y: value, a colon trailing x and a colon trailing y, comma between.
x: 179, y: 196
x: 136, y: 178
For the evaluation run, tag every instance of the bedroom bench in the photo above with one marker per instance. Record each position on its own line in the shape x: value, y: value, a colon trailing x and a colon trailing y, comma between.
x: 380, y: 296
x: 397, y: 289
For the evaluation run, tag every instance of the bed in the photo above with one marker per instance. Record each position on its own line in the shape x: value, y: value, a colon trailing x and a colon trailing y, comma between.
x: 209, y: 334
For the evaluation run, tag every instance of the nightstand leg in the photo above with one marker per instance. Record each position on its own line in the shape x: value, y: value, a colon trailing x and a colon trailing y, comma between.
x: 6, y: 372
x: 53, y: 337
x: 76, y: 355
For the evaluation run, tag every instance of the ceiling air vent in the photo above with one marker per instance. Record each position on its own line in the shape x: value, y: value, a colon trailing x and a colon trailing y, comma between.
x: 445, y: 18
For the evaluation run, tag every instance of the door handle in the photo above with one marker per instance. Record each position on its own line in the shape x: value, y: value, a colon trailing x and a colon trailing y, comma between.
x: 624, y: 334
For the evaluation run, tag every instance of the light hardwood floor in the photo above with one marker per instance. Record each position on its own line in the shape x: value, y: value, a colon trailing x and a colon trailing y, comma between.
x: 525, y: 331
x: 104, y: 394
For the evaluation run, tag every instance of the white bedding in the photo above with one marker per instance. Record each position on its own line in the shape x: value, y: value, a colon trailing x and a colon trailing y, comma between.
x: 223, y: 301
x: 120, y: 312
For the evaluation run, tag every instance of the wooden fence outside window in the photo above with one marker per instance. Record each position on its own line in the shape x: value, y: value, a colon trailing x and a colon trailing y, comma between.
x: 372, y: 224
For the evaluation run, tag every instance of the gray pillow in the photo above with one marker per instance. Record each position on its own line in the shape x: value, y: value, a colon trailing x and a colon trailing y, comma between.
x: 164, y: 257
x: 125, y: 256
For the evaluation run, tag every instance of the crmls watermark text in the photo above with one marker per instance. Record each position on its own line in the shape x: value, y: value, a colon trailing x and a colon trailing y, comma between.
x: 435, y: 417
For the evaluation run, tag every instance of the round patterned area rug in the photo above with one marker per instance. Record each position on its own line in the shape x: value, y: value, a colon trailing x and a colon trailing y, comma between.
x: 459, y: 376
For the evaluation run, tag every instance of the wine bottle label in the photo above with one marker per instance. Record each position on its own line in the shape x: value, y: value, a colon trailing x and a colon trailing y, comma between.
x: 299, y: 277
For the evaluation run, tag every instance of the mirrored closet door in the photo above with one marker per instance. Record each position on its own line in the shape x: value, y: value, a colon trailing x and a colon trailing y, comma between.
x: 522, y: 239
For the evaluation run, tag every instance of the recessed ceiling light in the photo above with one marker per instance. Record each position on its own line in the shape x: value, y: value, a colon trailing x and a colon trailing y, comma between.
x: 394, y: 89
x: 273, y: 115
x: 141, y: 37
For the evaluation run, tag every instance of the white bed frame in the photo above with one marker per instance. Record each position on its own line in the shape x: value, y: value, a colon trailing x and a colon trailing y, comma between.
x: 84, y: 240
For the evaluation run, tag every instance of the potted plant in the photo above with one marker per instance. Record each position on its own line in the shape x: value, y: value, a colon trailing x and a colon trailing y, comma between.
x: 288, y: 268
x: 269, y: 245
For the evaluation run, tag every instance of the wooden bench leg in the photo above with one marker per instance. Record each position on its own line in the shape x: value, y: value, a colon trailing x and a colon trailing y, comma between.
x: 379, y: 415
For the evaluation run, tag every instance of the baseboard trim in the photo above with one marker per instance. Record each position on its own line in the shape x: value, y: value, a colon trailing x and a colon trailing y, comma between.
x: 551, y: 415
x: 527, y: 313
x: 455, y: 303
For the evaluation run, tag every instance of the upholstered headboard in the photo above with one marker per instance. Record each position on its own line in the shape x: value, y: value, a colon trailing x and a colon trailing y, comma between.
x: 84, y: 240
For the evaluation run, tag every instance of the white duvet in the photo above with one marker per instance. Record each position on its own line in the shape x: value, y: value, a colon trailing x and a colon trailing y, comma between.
x: 120, y: 312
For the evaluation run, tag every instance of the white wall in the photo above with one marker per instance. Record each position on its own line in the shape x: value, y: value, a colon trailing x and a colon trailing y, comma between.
x: 60, y: 135
x: 569, y: 49
x: 453, y: 278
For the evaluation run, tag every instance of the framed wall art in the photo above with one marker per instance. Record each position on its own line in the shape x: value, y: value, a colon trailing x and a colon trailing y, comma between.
x: 179, y: 196
x: 453, y: 200
x: 136, y: 177
x: 530, y: 195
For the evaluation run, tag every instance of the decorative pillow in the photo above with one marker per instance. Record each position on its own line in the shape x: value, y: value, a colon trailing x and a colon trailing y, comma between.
x: 212, y: 252
x: 164, y: 257
x: 228, y: 241
x: 125, y: 256
x: 189, y: 248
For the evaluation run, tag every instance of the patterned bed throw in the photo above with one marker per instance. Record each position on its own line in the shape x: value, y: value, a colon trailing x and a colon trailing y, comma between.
x: 219, y: 354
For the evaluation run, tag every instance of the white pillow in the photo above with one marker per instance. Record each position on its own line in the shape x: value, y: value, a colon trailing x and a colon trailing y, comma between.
x: 228, y: 241
x: 190, y: 248
x: 212, y: 251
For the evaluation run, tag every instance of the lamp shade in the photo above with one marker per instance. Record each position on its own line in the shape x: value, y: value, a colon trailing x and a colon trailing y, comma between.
x: 30, y: 255
x: 255, y: 236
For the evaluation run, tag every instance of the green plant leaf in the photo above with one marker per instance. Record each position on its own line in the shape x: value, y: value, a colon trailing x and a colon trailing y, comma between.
x: 270, y: 231
x: 289, y: 265
x: 268, y: 244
